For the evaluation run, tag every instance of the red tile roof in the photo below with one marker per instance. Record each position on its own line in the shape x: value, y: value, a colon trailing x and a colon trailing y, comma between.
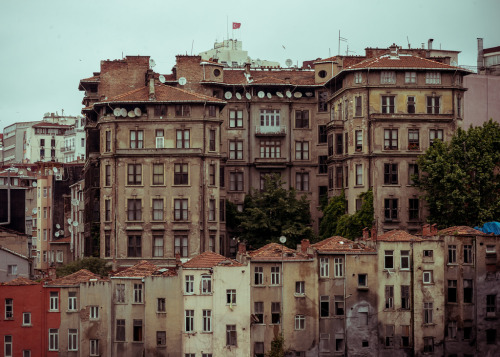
x: 402, y: 61
x: 398, y: 236
x: 141, y: 269
x: 163, y: 93
x: 81, y: 276
x: 20, y: 281
x: 459, y: 230
x: 275, y: 251
x: 91, y: 79
x: 209, y: 260
x: 271, y: 77
x: 340, y: 244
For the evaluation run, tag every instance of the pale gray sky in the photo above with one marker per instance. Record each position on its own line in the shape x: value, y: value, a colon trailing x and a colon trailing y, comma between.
x: 48, y: 46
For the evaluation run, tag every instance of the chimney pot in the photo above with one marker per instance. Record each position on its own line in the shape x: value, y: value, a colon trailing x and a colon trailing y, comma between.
x: 304, y: 244
x: 434, y: 229
x: 426, y: 230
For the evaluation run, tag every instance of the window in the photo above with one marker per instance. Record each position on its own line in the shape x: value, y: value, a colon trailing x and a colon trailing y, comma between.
x: 359, y: 140
x: 302, y: 119
x: 181, y: 209
x: 390, y: 174
x: 134, y: 176
x: 452, y: 254
x: 134, y: 209
x: 275, y: 313
x: 53, y: 339
x: 491, y: 336
x: 302, y: 181
x: 160, y: 305
x: 323, y: 166
x: 107, y: 210
x: 490, y: 249
x: 236, y: 181
x: 324, y: 302
x: 452, y: 330
x: 324, y: 268
x: 159, y: 139
x: 231, y: 297
x: 323, y: 101
x: 330, y: 145
x: 94, y: 312
x: 410, y: 77
x: 433, y: 78
x: 433, y: 104
x: 231, y: 335
x: 405, y: 297
x: 468, y: 290
x: 389, y: 336
x: 207, y: 320
x: 412, y: 171
x: 137, y: 332
x: 387, y: 77
x: 388, y: 104
x: 468, y: 254
x: 136, y: 139
x: 158, y: 209
x: 459, y: 106
x: 405, y: 336
x: 339, y: 305
x: 160, y: 110
x: 359, y: 174
x: 181, y: 245
x: 339, y: 147
x: 358, y: 110
x: 427, y: 277
x: 389, y: 297
x: 138, y: 294
x: 235, y: 118
x: 338, y: 267
x: 322, y: 137
x: 211, y: 174
x: 206, y: 284
x: 134, y: 248
x: 259, y: 349
x: 428, y: 254
x: 275, y: 275
x: 72, y: 339
x: 258, y: 275
x: 405, y: 260
x: 410, y: 105
x: 189, y: 284
x: 258, y: 308
x: 300, y: 322
x: 413, y: 209
x: 330, y: 177
x: 189, y: 320
x: 236, y: 149
x: 413, y: 139
x: 158, y: 174
x: 428, y: 344
x: 181, y: 175
x: 120, y: 330
x: 389, y: 259
x: 7, y: 346
x: 362, y: 280
x: 435, y: 134
x: 428, y: 312
x: 161, y: 338
x: 301, y: 150
x: 211, y: 140
x: 270, y: 148
x: 491, y: 305
x: 182, y: 139
x: 108, y: 141
x: 107, y: 174
x: 358, y: 77
x: 54, y: 301
x: 391, y: 209
x: 390, y: 139
x: 120, y: 292
x: 300, y: 287
x: 26, y: 318
x: 182, y: 110
x: 269, y: 120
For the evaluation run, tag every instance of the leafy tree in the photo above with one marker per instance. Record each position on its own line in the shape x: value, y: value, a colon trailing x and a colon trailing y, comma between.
x: 460, y: 179
x: 277, y: 347
x: 93, y: 264
x: 271, y: 213
x: 336, y: 222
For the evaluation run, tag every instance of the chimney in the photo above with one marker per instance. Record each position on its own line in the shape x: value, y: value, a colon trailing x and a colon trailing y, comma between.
x: 242, y: 248
x: 429, y: 44
x: 366, y: 235
x: 394, y: 50
x: 247, y: 67
x: 178, y: 259
x: 374, y: 233
x: 426, y: 230
x: 304, y: 244
x: 480, y: 57
x: 52, y: 273
x: 434, y: 229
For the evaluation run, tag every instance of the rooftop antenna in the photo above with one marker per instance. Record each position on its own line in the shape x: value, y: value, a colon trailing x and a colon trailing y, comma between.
x: 341, y: 39
x: 408, y: 40
x: 192, y: 45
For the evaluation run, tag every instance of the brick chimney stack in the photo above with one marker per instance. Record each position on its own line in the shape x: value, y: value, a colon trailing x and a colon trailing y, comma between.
x: 366, y: 235
x: 304, y: 244
x: 374, y: 233
x: 242, y: 248
x: 434, y: 229
x: 426, y: 230
x: 178, y: 259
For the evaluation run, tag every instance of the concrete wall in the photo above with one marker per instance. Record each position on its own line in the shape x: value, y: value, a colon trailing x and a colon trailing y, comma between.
x: 22, y: 264
x: 481, y: 99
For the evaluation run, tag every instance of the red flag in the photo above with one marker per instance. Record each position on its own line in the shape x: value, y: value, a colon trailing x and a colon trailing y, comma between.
x: 236, y: 25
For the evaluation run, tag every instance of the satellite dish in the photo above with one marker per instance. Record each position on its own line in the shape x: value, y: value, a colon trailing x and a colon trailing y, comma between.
x: 261, y: 94
x: 34, y: 210
x: 138, y: 112
x: 279, y: 94
x: 131, y: 114
x: 75, y: 223
x: 238, y: 95
x: 123, y: 112
x: 283, y: 239
x: 309, y: 94
x: 288, y: 94
x: 341, y: 242
x: 182, y: 81
x: 29, y: 169
x: 248, y: 95
x: 58, y: 226
x: 57, y: 234
x: 152, y: 63
x: 117, y: 112
x: 228, y: 95
x: 297, y: 95
x: 269, y: 95
x: 21, y: 172
x: 289, y: 62
x: 34, y: 183
x: 161, y: 78
x: 55, y: 170
x: 69, y: 220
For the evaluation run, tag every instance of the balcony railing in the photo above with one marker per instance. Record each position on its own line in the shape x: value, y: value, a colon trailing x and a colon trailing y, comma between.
x: 270, y: 130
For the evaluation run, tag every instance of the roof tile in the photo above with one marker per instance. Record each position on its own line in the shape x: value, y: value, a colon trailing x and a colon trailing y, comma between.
x: 459, y: 230
x: 401, y: 61
x: 81, y: 276
x: 141, y: 269
x: 164, y: 93
x: 20, y: 281
x: 340, y: 244
x: 398, y: 236
x: 209, y: 260
x: 275, y: 251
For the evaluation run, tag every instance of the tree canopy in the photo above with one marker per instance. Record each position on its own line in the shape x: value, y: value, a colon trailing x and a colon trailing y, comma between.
x: 460, y: 179
x: 93, y: 264
x: 271, y: 213
x: 336, y: 222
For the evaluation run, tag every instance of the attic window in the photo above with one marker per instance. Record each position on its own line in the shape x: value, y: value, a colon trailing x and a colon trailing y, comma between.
x: 217, y: 72
x: 322, y: 74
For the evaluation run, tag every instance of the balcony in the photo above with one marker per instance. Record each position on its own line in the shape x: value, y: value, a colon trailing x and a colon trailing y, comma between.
x: 270, y: 130
x: 270, y: 162
x: 335, y: 124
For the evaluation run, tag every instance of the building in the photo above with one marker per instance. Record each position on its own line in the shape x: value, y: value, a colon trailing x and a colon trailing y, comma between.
x: 13, y: 265
x: 74, y: 145
x: 488, y: 59
x: 14, y: 137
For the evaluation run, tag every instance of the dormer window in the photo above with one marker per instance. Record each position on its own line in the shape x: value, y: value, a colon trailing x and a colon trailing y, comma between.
x: 387, y: 77
x: 433, y: 78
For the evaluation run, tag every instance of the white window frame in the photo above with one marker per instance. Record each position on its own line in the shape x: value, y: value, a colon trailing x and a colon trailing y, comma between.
x: 94, y: 312
x: 206, y: 284
x: 54, y: 301
x: 12, y: 269
x: 72, y: 339
x: 427, y: 277
x: 410, y: 77
x: 258, y: 276
x: 189, y: 284
x: 27, y: 321
x: 324, y: 267
x: 358, y: 77
x: 94, y: 347
x: 207, y: 320
x: 387, y: 77
x: 53, y: 339
x: 300, y: 288
x: 138, y: 294
x: 188, y: 321
x: 231, y: 297
x: 300, y: 322
x: 9, y: 309
x: 338, y: 264
x: 432, y: 78
x: 275, y: 275
x: 406, y: 258
x: 7, y: 343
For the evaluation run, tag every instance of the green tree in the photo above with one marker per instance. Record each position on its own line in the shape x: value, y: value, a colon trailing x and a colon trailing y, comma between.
x: 277, y: 347
x: 336, y: 222
x: 271, y: 213
x: 460, y: 179
x: 93, y: 264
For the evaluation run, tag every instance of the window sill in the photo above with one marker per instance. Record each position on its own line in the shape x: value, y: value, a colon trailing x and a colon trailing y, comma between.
x: 299, y: 295
x: 54, y: 311
x: 137, y: 303
x: 162, y: 185
x: 362, y: 287
x: 30, y: 325
x: 429, y: 325
x: 161, y: 312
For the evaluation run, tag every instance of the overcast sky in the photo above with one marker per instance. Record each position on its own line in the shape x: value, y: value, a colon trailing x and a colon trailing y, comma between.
x: 47, y: 46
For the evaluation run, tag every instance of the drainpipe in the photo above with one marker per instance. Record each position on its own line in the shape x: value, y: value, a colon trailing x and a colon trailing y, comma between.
x: 345, y: 307
x: 202, y: 175
x: 369, y: 134
x: 412, y: 304
x: 115, y: 198
x: 290, y: 143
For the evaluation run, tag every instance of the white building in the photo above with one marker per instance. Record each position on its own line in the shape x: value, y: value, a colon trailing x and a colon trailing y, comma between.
x: 74, y: 142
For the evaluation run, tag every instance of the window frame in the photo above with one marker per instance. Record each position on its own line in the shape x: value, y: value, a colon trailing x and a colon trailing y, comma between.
x: 72, y: 339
